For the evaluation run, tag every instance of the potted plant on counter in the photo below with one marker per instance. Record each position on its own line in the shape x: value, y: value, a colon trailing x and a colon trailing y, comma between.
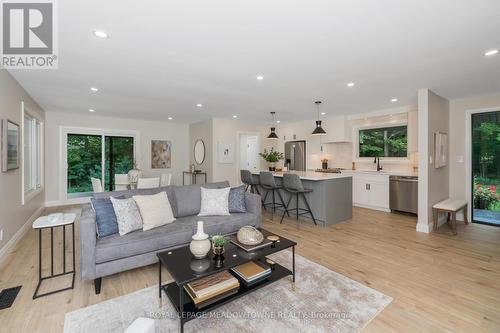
x: 272, y: 157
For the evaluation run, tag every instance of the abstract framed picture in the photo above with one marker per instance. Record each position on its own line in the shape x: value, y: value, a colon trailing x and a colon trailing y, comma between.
x: 161, y: 154
x: 440, y: 150
x: 225, y: 153
x: 10, y: 145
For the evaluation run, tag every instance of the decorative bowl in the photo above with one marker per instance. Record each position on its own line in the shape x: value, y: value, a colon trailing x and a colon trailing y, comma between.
x: 249, y: 235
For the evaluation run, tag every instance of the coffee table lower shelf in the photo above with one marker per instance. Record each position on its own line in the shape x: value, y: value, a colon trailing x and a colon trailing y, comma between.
x: 190, y: 311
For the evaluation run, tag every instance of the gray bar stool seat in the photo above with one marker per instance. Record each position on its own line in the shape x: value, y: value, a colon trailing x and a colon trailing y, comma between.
x: 293, y: 185
x: 250, y: 182
x: 268, y: 183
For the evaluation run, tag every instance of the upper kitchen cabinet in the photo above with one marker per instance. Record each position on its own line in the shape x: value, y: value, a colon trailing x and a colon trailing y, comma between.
x: 338, y: 129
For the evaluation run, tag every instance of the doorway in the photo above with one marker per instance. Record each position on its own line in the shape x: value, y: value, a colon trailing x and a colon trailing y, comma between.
x: 485, y: 167
x: 249, y: 152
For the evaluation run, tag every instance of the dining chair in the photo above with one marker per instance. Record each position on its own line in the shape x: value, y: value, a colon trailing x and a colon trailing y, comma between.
x: 96, y: 185
x: 121, y: 182
x: 165, y: 179
x: 143, y: 183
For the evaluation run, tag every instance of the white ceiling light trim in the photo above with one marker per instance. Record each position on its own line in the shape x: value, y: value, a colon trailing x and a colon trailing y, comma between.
x: 490, y: 52
x: 101, y: 34
x: 91, y: 110
x: 94, y: 89
x: 199, y: 105
x: 350, y: 84
x: 394, y: 100
x: 260, y: 77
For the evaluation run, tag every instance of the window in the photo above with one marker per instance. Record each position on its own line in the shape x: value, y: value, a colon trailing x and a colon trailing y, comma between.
x: 383, y: 142
x: 96, y: 156
x: 32, y: 158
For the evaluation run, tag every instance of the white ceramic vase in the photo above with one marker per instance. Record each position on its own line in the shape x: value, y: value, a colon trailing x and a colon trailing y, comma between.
x: 200, y: 245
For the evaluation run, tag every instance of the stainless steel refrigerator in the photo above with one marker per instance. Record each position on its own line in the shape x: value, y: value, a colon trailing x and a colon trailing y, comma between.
x: 295, y: 155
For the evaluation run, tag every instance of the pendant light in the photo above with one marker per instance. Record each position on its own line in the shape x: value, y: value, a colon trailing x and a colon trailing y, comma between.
x: 318, y: 130
x: 273, y: 134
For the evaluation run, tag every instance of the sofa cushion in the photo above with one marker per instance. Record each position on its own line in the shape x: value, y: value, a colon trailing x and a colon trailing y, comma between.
x: 155, y: 210
x: 214, y: 201
x: 127, y: 215
x: 219, y: 224
x: 188, y: 198
x: 237, y: 200
x: 106, y: 223
x: 139, y: 242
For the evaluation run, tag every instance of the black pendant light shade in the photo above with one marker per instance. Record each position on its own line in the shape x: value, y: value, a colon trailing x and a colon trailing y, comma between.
x: 273, y: 134
x: 318, y: 130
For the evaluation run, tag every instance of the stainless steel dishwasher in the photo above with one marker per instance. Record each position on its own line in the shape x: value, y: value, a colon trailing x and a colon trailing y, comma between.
x: 403, y: 193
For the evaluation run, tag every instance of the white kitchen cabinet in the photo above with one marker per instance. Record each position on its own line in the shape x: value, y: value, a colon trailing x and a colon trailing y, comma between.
x: 338, y: 129
x: 371, y: 191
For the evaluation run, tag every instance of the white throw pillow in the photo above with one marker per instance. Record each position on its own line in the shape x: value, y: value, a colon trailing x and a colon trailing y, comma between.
x: 127, y: 215
x: 214, y: 201
x: 155, y: 210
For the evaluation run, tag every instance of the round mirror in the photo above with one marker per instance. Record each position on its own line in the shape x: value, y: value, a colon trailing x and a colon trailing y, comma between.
x: 199, y: 151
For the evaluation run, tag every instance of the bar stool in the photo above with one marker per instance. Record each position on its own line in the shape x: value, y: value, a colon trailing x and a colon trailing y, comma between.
x: 249, y: 181
x: 293, y: 185
x: 268, y: 183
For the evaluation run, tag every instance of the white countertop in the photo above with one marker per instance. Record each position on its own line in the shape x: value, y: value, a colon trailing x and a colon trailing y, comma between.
x: 310, y: 175
x: 382, y: 172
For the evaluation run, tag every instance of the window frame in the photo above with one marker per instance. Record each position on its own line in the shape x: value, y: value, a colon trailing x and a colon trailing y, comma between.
x: 37, y: 155
x: 395, y: 123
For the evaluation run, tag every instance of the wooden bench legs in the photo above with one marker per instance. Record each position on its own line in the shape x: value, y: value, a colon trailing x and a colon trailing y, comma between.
x: 451, y: 217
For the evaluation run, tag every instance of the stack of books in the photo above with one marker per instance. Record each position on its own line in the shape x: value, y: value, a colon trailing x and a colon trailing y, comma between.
x: 210, y: 289
x: 252, y: 272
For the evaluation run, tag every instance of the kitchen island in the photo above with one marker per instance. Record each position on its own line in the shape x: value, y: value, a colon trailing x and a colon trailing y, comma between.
x: 330, y: 201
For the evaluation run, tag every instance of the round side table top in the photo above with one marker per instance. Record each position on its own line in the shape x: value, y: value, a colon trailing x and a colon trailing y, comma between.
x: 54, y: 220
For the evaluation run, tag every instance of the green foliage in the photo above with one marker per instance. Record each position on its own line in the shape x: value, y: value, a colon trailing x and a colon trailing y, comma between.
x: 84, y: 159
x: 486, y: 149
x: 383, y: 142
x: 271, y: 156
x: 485, y: 196
x: 219, y: 240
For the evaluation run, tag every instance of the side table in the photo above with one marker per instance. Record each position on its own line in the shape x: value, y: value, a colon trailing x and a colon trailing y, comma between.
x: 44, y: 222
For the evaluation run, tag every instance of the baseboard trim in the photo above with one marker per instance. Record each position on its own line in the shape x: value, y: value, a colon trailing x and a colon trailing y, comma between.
x: 424, y: 227
x: 382, y: 209
x: 11, y: 243
x: 67, y: 202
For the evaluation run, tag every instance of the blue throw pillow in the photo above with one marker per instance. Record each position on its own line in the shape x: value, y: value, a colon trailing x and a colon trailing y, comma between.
x: 237, y: 200
x: 105, y: 216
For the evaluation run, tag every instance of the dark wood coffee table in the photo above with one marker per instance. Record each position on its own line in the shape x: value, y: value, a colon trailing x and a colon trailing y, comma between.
x: 184, y: 268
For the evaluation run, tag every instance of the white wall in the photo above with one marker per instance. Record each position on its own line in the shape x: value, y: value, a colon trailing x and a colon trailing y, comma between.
x: 148, y: 130
x: 13, y: 215
x: 458, y: 110
x: 433, y: 185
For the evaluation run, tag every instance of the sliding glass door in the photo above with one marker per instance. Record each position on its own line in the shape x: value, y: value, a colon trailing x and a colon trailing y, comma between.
x: 486, y: 167
x: 96, y: 156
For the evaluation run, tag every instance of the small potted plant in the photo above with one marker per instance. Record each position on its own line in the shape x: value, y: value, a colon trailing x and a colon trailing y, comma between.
x: 324, y: 163
x: 271, y: 157
x: 218, y: 242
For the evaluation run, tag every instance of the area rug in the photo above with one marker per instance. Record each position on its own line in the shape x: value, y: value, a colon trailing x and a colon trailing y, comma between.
x: 320, y: 301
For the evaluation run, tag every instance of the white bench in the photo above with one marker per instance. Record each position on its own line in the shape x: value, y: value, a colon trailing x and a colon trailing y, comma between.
x: 450, y: 207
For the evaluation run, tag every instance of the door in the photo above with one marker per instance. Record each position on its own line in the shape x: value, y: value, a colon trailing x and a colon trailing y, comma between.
x: 485, y: 168
x: 249, y: 152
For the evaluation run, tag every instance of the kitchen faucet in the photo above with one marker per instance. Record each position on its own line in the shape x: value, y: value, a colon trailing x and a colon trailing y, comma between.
x: 377, y: 160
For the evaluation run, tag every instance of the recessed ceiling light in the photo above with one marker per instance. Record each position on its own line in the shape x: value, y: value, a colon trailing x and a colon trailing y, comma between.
x: 94, y: 89
x: 235, y: 116
x: 260, y: 77
x: 91, y: 110
x: 394, y: 100
x: 278, y: 121
x: 101, y: 34
x: 323, y: 113
x: 350, y: 84
x: 490, y: 52
x: 199, y: 105
x: 170, y: 118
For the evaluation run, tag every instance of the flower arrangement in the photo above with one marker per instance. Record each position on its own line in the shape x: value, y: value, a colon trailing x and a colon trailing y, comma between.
x: 485, y: 196
x: 272, y: 157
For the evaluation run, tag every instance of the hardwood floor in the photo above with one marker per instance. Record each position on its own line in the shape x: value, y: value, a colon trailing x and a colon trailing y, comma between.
x: 439, y: 282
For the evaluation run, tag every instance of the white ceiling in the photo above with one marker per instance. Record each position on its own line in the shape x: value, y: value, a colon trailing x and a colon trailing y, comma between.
x: 164, y: 57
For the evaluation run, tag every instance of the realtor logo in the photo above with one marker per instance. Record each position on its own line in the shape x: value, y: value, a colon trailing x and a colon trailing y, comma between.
x: 28, y: 34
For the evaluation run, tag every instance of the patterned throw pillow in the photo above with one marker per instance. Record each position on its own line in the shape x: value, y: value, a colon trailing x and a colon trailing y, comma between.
x: 237, y: 200
x: 214, y: 202
x: 127, y: 215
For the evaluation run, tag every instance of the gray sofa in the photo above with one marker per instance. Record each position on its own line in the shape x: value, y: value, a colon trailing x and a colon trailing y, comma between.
x: 101, y: 257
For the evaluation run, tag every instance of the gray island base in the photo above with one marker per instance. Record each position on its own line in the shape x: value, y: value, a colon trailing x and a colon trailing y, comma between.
x: 330, y: 201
